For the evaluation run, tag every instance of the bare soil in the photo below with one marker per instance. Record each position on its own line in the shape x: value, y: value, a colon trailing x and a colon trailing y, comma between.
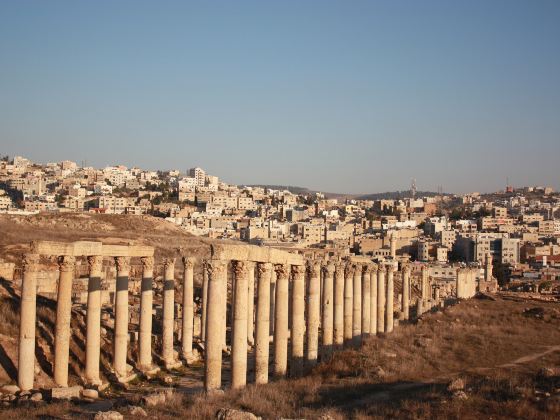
x: 17, y: 232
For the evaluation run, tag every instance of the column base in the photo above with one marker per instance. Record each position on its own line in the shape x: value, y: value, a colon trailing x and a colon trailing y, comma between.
x: 93, y: 383
x: 126, y: 379
x: 192, y: 358
x: 149, y: 371
x: 173, y: 365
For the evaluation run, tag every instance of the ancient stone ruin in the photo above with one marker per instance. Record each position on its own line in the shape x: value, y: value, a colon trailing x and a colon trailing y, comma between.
x: 301, y: 307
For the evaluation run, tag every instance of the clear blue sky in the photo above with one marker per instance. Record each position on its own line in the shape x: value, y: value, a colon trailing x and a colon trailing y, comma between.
x: 341, y: 96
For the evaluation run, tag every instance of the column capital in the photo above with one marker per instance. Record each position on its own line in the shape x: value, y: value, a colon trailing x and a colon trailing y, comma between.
x: 66, y: 263
x: 406, y: 269
x: 240, y: 268
x: 188, y: 262
x: 349, y: 269
x: 314, y: 267
x: 282, y: 270
x: 123, y: 263
x: 298, y: 270
x: 30, y: 262
x: 95, y: 263
x: 167, y: 262
x: 264, y: 268
x: 339, y: 269
x: 390, y: 268
x: 216, y: 267
x: 329, y: 269
x: 147, y: 263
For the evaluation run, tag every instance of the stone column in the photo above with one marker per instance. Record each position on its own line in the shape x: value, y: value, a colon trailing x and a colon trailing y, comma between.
x: 188, y: 310
x: 313, y: 312
x: 357, y: 307
x: 298, y: 319
x: 366, y: 300
x: 389, y: 322
x: 281, y: 321
x: 146, y: 300
x: 406, y: 292
x: 419, y: 307
x: 381, y: 299
x: 27, y: 319
x: 224, y: 313
x: 168, y: 312
x: 93, y: 321
x: 348, y: 302
x: 204, y: 301
x: 216, y: 305
x: 424, y: 283
x: 250, y: 302
x: 373, y: 300
x: 63, y: 329
x: 120, y: 343
x: 328, y: 311
x: 272, y: 303
x: 338, y: 327
x: 262, y: 333
x: 239, y: 333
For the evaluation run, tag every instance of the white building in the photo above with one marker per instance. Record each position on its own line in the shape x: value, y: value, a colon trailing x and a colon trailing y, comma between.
x: 199, y: 174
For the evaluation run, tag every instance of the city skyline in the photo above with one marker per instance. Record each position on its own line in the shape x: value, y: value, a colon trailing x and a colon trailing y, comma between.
x: 185, y: 172
x: 339, y: 97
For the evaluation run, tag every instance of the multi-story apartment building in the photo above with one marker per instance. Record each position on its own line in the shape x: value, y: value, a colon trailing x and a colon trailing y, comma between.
x: 5, y: 202
x: 447, y: 238
x: 115, y: 205
x: 313, y: 234
x: 199, y: 175
x: 546, y: 227
x: 510, y: 251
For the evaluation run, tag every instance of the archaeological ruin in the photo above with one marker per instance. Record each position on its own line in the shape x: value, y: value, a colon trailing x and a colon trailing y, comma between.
x: 269, y: 312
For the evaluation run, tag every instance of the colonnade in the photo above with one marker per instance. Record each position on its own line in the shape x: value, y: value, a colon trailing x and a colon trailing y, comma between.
x: 316, y: 307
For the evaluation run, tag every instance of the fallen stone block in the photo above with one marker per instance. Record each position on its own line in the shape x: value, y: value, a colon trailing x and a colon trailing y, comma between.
x: 231, y: 414
x: 137, y: 411
x: 66, y: 393
x: 9, y: 389
x: 108, y: 415
x: 90, y: 393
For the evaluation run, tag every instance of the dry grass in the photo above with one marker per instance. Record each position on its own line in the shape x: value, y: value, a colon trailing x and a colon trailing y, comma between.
x: 417, y: 362
x: 9, y: 317
x: 405, y: 374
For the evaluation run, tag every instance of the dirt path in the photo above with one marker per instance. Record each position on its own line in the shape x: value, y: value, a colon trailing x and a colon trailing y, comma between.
x: 392, y: 389
x: 530, y: 357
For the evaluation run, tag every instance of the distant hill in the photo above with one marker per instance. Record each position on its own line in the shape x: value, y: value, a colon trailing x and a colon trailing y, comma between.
x: 396, y: 195
x: 389, y: 195
x: 291, y: 188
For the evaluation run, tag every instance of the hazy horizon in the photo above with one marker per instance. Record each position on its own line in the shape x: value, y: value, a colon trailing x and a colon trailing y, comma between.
x: 345, y: 97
